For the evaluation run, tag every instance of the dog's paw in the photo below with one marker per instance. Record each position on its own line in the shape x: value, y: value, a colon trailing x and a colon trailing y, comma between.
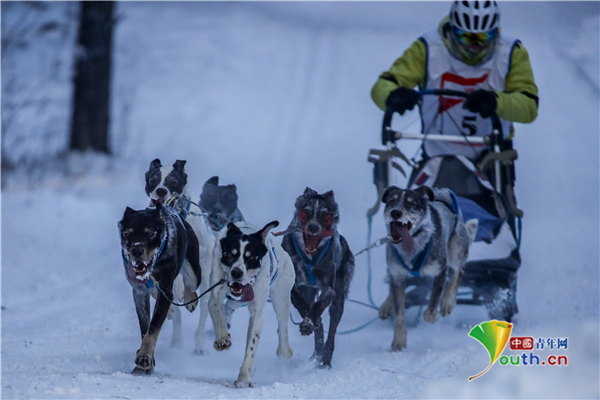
x: 242, y: 384
x: 141, y: 371
x: 144, y: 365
x: 431, y: 316
x: 446, y: 306
x: 223, y: 343
x: 386, y: 310
x: 399, y: 345
x: 285, y: 352
x: 307, y: 327
x: 190, y: 295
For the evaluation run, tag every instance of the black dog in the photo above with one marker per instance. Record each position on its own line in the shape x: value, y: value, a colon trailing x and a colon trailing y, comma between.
x: 156, y: 243
x: 221, y: 203
x: 324, y: 268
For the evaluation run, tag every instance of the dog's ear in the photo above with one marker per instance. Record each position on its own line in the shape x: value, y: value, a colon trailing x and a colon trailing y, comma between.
x: 233, y: 229
x: 155, y: 164
x: 265, y: 231
x: 329, y: 195
x: 128, y: 212
x: 309, y: 192
x: 426, y: 191
x: 179, y: 164
x: 388, y: 193
x: 213, y: 181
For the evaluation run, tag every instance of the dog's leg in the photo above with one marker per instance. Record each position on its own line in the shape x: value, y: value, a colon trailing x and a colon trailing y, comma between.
x: 141, y: 298
x: 144, y: 359
x: 319, y: 344
x: 255, y: 308
x: 204, y: 301
x: 222, y: 336
x: 431, y: 313
x: 281, y: 304
x: 335, y: 315
x: 398, y: 288
x: 177, y: 338
x: 313, y: 318
x: 201, y: 330
x: 449, y: 298
x: 175, y: 312
x: 387, y: 307
x: 299, y: 302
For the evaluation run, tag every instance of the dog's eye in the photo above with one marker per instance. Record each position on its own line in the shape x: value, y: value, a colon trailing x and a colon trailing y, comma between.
x: 152, y: 181
x: 126, y: 234
x: 151, y: 234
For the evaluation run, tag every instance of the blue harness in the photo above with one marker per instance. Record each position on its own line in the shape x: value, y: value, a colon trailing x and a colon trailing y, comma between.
x: 421, y: 258
x: 308, y: 264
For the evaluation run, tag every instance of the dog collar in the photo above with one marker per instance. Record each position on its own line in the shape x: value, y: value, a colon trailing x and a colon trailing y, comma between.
x: 417, y: 263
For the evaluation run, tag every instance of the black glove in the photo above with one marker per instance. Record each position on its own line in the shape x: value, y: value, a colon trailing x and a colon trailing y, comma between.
x: 402, y: 99
x: 482, y: 102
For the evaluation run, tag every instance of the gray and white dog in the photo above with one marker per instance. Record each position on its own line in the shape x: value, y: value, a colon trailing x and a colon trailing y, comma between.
x: 324, y: 268
x: 428, y: 235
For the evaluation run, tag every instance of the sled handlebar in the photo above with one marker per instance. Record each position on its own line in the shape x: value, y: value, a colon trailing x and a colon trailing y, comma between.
x: 390, y: 136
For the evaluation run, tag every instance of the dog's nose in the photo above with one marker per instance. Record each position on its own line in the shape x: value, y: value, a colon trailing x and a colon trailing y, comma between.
x: 237, y: 273
x: 162, y: 192
x: 395, y: 214
x: 137, y: 251
x: 313, y: 229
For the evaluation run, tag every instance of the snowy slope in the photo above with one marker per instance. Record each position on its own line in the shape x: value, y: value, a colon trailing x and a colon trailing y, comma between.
x: 275, y: 97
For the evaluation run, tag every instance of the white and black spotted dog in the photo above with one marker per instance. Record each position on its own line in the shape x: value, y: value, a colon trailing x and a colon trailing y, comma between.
x: 255, y: 268
x: 428, y: 236
x: 157, y: 245
x: 324, y: 268
x: 162, y: 181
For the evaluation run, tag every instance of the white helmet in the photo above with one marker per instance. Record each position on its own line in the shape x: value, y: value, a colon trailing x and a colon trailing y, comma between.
x: 475, y: 16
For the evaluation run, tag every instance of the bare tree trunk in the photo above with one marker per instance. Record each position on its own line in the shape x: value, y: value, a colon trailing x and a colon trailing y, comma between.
x: 91, y: 100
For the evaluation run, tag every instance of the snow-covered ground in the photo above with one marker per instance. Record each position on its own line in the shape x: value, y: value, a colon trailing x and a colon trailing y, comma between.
x: 274, y: 97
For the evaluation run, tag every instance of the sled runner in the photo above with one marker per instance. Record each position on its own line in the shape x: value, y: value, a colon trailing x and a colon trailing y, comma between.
x: 483, y: 181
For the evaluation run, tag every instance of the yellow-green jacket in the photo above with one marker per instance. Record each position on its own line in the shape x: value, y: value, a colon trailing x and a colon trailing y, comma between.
x: 517, y: 103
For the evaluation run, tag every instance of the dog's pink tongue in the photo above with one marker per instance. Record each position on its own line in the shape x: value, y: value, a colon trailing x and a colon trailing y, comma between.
x: 408, y: 244
x: 247, y: 293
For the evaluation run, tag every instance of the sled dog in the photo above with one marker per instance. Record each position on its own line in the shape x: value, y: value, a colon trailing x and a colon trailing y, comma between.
x: 162, y: 181
x: 324, y: 268
x: 255, y: 267
x: 156, y: 244
x: 221, y: 203
x: 428, y: 235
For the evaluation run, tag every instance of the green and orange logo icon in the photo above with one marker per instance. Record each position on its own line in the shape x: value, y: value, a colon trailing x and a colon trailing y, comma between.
x: 493, y: 335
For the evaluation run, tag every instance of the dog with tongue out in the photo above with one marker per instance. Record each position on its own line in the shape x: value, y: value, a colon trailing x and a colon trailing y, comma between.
x: 427, y: 238
x: 324, y: 268
x: 255, y: 268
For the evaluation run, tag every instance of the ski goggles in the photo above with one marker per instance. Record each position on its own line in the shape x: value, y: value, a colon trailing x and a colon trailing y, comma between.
x: 474, y: 39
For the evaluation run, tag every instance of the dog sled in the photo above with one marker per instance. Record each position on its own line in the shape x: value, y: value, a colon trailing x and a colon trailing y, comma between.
x: 483, y: 186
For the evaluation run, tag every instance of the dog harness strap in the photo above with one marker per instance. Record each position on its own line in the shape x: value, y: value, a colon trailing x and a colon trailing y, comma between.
x: 274, y: 262
x: 417, y: 263
x: 309, y: 265
x: 453, y: 207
